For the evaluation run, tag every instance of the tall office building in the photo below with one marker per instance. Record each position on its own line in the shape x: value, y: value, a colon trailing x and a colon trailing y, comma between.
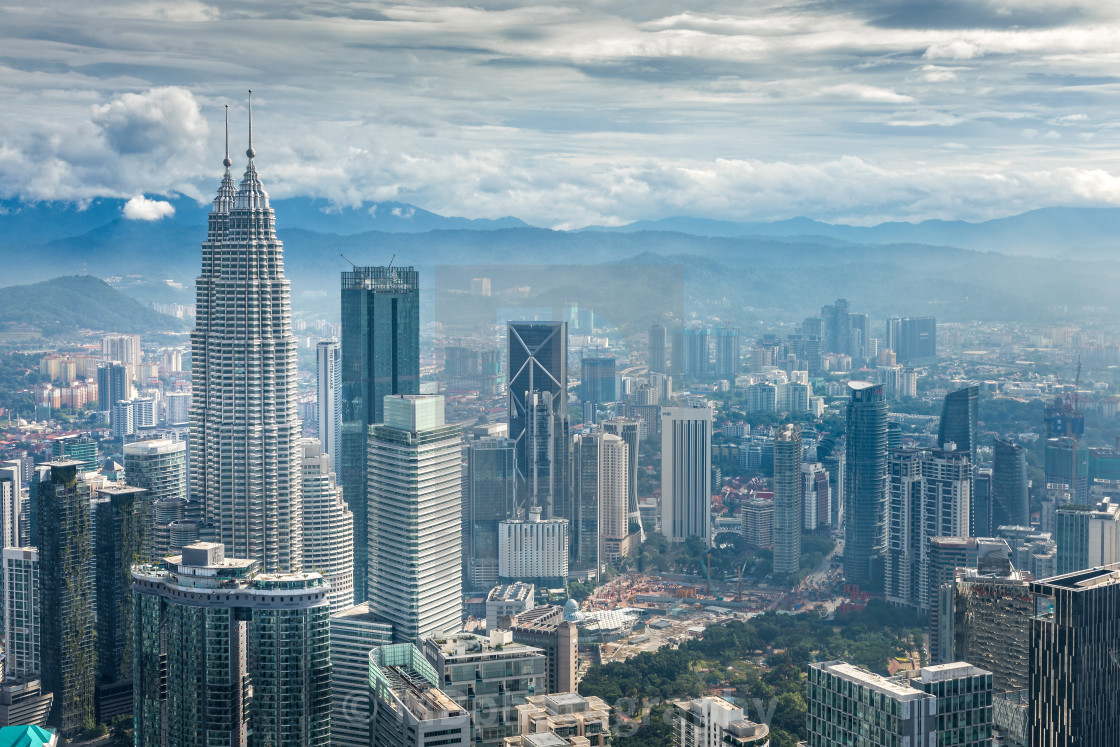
x: 1087, y: 536
x: 23, y: 641
x: 728, y: 360
x: 538, y: 414
x: 244, y: 428
x: 380, y: 357
x: 328, y: 526
x: 686, y: 473
x: 328, y: 366
x: 159, y: 466
x: 490, y: 498
x: 992, y: 612
x: 79, y: 448
x: 66, y: 604
x: 1074, y: 678
x: 1010, y: 492
x: 657, y: 341
x: 122, y: 526
x: 917, y: 340
x: 225, y: 654
x: 787, y: 499
x: 409, y: 708
x: 958, y: 425
x: 113, y: 385
x: 354, y: 632
x: 415, y: 518
x: 982, y: 525
x: 865, y: 489
x: 599, y: 382
x: 630, y: 431
x: 584, y: 543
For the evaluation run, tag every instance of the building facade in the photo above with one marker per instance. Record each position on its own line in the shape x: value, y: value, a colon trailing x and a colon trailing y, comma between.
x: 533, y: 550
x: 686, y: 473
x: 714, y: 722
x: 23, y: 637
x: 865, y: 489
x: 354, y: 633
x: 328, y: 526
x: 489, y: 498
x: 409, y: 708
x: 415, y: 517
x: 328, y: 397
x: 787, y: 499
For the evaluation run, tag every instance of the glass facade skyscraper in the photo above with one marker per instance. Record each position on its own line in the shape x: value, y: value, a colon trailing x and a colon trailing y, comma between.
x: 380, y: 356
x: 490, y: 498
x: 958, y: 425
x: 538, y: 415
x: 1010, y: 493
x: 865, y: 490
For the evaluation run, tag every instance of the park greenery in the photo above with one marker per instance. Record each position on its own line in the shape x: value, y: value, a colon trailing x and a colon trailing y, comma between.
x: 761, y: 660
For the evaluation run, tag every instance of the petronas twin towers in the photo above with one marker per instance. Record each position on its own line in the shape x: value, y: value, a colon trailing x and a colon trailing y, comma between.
x: 244, y: 429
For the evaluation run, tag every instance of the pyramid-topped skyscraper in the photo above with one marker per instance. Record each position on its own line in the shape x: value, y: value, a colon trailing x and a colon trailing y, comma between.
x: 244, y: 427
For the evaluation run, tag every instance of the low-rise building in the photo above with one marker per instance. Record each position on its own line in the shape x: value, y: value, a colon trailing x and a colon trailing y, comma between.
x: 714, y: 722
x: 566, y: 715
x: 409, y: 709
x: 511, y: 600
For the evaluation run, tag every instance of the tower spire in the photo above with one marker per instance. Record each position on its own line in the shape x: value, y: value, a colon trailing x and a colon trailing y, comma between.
x: 226, y: 161
x: 250, y: 152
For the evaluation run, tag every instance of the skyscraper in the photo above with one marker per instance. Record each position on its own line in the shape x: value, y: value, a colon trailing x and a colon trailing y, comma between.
x: 122, y: 533
x: 727, y: 353
x: 630, y: 431
x: 787, y: 499
x: 113, y: 385
x: 415, y: 518
x: 865, y: 489
x: 1074, y: 677
x: 22, y: 618
x: 354, y: 632
x: 538, y: 414
x: 12, y: 504
x: 657, y: 348
x: 614, y: 491
x: 223, y: 651
x: 918, y: 340
x: 1010, y: 493
x: 599, y: 384
x: 328, y: 361
x: 584, y: 532
x: 686, y: 473
x: 691, y: 353
x: 66, y: 604
x: 159, y: 466
x: 1087, y: 536
x: 959, y: 413
x: 328, y: 527
x: 245, y: 431
x: 491, y: 498
x: 380, y: 356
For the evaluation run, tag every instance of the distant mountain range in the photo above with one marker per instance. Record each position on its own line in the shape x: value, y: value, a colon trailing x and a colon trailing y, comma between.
x: 1037, y: 265
x: 80, y: 301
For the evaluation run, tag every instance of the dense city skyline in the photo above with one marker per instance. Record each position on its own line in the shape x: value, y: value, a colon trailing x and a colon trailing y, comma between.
x: 851, y: 112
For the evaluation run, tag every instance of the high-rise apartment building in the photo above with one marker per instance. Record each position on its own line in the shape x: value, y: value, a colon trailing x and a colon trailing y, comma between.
x: 787, y: 499
x: 121, y: 348
x: 657, y: 341
x: 19, y: 576
x: 354, y: 632
x: 489, y: 676
x: 538, y: 414
x: 714, y: 721
x: 122, y: 525
x: 490, y: 498
x: 13, y: 502
x: 944, y: 704
x: 113, y: 385
x: 409, y: 708
x: 630, y: 431
x: 1074, y: 677
x: 226, y: 654
x: 328, y: 526
x: 159, y: 466
x: 66, y: 602
x: 816, y: 497
x: 686, y: 473
x: 614, y: 506
x: 865, y: 489
x: 691, y: 353
x: 728, y: 357
x: 756, y: 520
x: 1010, y: 492
x: 244, y: 427
x: 178, y: 408
x: 415, y: 517
x: 328, y: 383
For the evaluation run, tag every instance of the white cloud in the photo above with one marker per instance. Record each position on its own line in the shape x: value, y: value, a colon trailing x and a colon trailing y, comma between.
x: 141, y: 208
x: 956, y: 49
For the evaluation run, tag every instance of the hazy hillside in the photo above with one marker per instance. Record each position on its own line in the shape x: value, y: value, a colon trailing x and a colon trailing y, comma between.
x: 80, y: 301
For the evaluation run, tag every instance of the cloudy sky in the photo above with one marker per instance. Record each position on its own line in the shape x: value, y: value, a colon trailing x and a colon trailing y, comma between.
x: 604, y: 111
